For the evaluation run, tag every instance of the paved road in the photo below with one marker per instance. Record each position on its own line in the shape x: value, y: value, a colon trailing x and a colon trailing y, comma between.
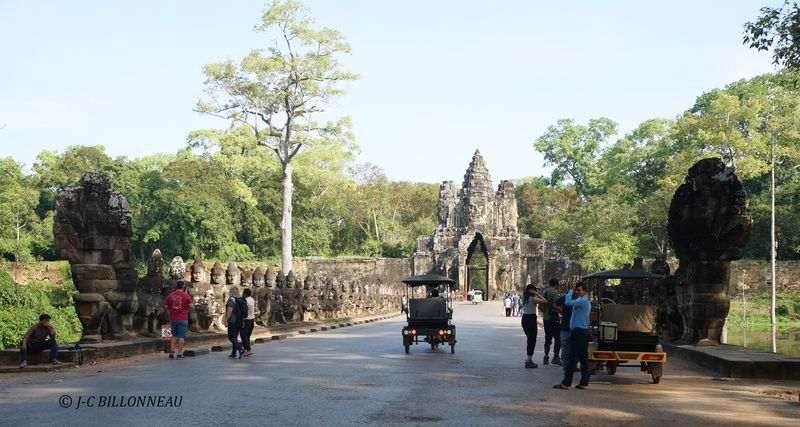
x: 360, y: 376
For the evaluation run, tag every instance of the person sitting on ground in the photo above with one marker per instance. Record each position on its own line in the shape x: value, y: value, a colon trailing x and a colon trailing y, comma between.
x: 35, y: 341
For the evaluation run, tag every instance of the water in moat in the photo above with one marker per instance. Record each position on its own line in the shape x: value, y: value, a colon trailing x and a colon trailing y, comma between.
x: 758, y: 336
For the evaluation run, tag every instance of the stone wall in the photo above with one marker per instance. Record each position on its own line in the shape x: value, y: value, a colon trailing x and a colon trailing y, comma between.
x: 756, y: 274
x: 375, y: 270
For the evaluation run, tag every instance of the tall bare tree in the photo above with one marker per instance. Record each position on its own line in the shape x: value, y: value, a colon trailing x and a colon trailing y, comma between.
x: 279, y: 91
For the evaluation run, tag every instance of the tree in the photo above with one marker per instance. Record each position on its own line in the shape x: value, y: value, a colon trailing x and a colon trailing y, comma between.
x: 279, y: 92
x: 573, y: 150
x: 777, y: 29
x: 639, y: 158
x: 17, y: 215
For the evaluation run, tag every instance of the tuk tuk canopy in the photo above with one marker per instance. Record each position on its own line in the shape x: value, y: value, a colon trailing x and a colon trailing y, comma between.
x: 428, y: 279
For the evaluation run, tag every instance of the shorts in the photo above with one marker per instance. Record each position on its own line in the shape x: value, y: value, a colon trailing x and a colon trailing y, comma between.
x: 179, y: 328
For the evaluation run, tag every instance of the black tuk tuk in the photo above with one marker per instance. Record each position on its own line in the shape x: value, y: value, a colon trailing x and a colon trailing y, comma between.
x: 430, y: 317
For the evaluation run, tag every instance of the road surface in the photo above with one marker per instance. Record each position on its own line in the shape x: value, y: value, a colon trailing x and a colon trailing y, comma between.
x: 361, y: 376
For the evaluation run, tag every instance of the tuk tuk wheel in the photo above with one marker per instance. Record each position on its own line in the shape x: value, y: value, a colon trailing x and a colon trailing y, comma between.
x: 452, y: 349
x: 656, y: 371
x: 407, y: 346
x: 611, y: 368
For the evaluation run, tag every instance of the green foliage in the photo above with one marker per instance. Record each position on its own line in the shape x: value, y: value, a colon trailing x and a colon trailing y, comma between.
x: 573, y: 150
x: 626, y: 187
x: 787, y: 308
x: 18, y: 220
x: 607, y: 250
x: 21, y: 305
x: 777, y: 29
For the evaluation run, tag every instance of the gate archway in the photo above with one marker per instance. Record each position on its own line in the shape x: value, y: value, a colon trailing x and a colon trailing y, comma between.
x: 478, y: 266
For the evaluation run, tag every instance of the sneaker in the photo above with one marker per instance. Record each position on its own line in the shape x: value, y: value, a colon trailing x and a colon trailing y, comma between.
x: 171, y: 355
x: 23, y: 365
x: 232, y: 355
x: 248, y: 353
x: 56, y: 362
x: 546, y: 360
x: 180, y: 356
x: 556, y: 360
x: 241, y: 353
x: 530, y: 364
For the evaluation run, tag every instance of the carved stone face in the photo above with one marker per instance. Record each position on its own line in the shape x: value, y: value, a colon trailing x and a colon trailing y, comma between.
x: 247, y: 277
x: 258, y: 277
x: 197, y: 276
x: 217, y: 274
x: 232, y: 274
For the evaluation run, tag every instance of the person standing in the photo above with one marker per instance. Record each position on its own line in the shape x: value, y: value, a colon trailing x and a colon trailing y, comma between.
x: 235, y: 322
x: 404, y: 304
x: 249, y: 321
x: 530, y: 299
x: 514, y: 304
x: 36, y: 340
x: 470, y: 295
x: 507, y: 305
x: 579, y: 336
x: 551, y: 323
x: 178, y: 302
x: 566, y: 315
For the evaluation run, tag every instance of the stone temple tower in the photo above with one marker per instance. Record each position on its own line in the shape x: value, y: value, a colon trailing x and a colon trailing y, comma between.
x: 476, y: 219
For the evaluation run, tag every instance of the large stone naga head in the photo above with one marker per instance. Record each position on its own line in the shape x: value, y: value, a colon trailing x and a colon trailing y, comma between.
x: 708, y: 218
x: 92, y: 223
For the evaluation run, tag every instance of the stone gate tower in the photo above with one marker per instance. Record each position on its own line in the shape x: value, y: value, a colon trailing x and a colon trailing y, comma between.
x: 477, y: 220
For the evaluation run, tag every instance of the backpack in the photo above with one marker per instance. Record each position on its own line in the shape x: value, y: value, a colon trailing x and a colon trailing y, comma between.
x: 240, y: 308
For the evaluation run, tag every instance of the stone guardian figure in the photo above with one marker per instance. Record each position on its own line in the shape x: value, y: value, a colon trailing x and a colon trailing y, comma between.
x: 708, y: 226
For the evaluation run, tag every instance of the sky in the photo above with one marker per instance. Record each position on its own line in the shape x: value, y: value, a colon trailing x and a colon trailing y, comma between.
x: 438, y: 79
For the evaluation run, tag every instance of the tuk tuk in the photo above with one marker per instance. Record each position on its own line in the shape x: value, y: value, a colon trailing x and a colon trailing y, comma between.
x: 625, y: 322
x: 429, y: 317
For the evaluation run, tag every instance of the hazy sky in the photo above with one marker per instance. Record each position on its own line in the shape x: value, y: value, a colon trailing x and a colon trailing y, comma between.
x: 439, y: 79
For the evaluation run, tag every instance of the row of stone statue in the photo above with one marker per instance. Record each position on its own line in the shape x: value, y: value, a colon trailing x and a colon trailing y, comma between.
x: 279, y: 298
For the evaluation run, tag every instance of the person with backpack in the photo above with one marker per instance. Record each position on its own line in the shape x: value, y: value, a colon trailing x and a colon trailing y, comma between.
x: 249, y: 321
x: 551, y: 322
x: 235, y: 313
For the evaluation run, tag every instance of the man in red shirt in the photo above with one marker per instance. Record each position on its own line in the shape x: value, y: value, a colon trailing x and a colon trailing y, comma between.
x: 178, y: 303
